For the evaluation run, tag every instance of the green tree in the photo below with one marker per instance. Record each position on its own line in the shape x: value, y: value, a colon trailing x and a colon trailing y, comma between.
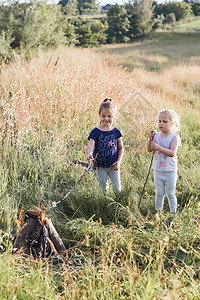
x: 73, y: 19
x: 140, y: 17
x: 70, y: 8
x: 36, y: 24
x: 92, y: 34
x: 196, y: 8
x: 42, y: 26
x: 12, y: 19
x: 180, y: 9
x: 85, y: 6
x: 63, y: 3
x: 6, y: 51
x: 118, y: 24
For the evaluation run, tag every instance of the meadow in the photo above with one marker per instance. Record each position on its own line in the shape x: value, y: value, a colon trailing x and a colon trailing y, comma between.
x: 49, y: 105
x: 158, y: 51
x: 191, y: 24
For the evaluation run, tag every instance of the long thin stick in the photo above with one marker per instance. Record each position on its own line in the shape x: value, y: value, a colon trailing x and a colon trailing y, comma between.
x: 54, y: 204
x: 146, y: 180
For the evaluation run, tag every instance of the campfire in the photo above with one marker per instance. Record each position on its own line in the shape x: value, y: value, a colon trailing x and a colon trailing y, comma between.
x: 36, y: 235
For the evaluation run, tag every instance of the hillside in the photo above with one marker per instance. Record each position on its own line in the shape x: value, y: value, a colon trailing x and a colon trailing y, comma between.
x: 156, y: 52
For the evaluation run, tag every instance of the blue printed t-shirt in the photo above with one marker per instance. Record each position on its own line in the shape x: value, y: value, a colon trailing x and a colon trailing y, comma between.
x: 105, y: 151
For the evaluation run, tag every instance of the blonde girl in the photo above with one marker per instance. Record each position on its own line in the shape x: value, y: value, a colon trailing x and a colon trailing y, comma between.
x: 106, y: 147
x: 165, y: 144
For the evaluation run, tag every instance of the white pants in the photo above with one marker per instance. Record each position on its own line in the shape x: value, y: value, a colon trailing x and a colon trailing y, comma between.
x: 102, y: 176
x: 165, y: 182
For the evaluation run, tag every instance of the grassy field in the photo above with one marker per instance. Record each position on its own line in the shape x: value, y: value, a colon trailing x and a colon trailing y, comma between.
x: 48, y: 107
x: 191, y: 25
x: 159, y: 51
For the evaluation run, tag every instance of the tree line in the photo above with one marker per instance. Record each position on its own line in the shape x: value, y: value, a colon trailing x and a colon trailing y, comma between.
x: 34, y: 25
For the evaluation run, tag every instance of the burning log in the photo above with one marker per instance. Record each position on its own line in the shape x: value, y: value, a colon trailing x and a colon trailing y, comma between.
x: 54, y: 237
x: 38, y: 236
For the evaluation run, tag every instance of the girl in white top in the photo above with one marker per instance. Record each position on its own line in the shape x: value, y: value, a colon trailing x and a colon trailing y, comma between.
x: 165, y: 145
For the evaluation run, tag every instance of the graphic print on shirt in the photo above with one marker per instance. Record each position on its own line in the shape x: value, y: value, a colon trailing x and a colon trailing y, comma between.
x: 107, y: 145
x: 105, y: 150
x: 162, y: 161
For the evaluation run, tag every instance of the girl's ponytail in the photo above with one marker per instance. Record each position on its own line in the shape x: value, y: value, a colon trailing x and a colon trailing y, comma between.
x: 108, y: 103
x: 107, y: 99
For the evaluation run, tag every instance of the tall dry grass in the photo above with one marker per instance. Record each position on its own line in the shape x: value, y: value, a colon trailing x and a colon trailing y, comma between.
x: 60, y: 86
x: 61, y: 90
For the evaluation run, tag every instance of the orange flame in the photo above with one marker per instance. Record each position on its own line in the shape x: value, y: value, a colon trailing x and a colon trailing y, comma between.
x: 46, y: 210
x: 18, y: 222
x: 43, y: 220
x: 20, y: 211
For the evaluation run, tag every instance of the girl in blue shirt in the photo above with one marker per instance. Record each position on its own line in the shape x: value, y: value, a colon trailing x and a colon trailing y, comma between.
x: 106, y: 147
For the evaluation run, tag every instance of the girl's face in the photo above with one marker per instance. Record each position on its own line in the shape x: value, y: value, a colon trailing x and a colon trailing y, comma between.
x: 106, y: 117
x: 165, y: 125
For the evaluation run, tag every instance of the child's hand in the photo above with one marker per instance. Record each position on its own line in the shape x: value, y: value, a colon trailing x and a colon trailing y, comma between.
x: 152, y: 135
x: 116, y: 165
x: 153, y: 145
x: 151, y: 141
x: 90, y: 157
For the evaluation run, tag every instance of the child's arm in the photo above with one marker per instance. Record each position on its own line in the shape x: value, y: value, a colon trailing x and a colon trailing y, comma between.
x: 90, y: 149
x: 151, y: 139
x: 168, y: 152
x: 120, y: 148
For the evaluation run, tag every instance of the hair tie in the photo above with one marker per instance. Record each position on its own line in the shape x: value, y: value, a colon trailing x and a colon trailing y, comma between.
x: 107, y: 99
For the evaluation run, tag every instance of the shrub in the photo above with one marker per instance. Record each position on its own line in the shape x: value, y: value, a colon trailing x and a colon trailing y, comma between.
x: 180, y: 9
x: 6, y: 52
x: 32, y: 25
x: 170, y: 18
x: 92, y: 34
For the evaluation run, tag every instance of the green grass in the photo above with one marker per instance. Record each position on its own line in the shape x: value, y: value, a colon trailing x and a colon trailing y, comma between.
x: 125, y: 252
x: 191, y: 25
x: 23, y: 278
x: 157, y: 52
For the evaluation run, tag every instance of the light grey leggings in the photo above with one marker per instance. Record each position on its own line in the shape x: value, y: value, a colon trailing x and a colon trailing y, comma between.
x: 102, y: 176
x: 165, y: 182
